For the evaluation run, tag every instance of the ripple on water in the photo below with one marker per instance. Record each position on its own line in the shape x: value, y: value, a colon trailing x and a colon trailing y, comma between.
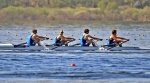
x: 104, y: 66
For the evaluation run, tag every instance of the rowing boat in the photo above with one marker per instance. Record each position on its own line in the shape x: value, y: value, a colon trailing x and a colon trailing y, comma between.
x: 12, y: 47
x: 122, y: 48
x: 89, y: 48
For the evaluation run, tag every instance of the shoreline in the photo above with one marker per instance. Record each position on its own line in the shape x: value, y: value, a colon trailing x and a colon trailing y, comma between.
x: 70, y: 22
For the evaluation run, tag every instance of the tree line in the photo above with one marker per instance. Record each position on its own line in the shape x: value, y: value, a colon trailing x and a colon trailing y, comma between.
x: 136, y: 10
x: 73, y: 3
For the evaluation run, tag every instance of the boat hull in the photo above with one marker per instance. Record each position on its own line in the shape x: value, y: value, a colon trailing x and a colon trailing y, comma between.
x: 90, y: 48
x: 12, y: 47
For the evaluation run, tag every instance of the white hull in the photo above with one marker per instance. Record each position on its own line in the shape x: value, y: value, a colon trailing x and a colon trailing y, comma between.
x: 124, y: 48
x: 90, y: 48
x: 11, y: 47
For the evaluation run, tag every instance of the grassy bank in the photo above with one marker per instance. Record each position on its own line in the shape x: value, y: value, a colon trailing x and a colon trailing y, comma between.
x: 123, y: 13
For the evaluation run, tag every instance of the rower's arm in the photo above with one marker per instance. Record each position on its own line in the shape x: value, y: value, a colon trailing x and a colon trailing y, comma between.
x: 69, y: 38
x: 123, y: 38
x: 41, y: 37
x: 94, y: 38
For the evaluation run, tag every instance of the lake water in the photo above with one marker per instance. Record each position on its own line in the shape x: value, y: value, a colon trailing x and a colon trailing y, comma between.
x: 90, y: 66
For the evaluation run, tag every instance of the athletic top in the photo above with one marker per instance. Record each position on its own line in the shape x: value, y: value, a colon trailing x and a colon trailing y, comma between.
x: 111, y: 41
x: 83, y: 41
x: 30, y: 41
x: 57, y: 42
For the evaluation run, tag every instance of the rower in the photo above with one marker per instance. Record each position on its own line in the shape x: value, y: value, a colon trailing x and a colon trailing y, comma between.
x: 34, y: 39
x: 85, y: 41
x: 114, y: 39
x: 62, y: 40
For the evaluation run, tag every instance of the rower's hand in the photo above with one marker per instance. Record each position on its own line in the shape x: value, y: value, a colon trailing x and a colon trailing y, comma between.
x: 73, y: 39
x: 46, y: 38
x: 127, y: 39
x: 100, y: 39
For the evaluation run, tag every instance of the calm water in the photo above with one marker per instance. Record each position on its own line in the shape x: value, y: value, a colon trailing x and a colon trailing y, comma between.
x: 90, y: 66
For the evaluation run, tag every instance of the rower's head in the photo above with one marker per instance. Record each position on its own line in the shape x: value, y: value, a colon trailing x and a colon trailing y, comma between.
x: 61, y: 32
x: 34, y: 31
x: 86, y: 31
x: 114, y: 32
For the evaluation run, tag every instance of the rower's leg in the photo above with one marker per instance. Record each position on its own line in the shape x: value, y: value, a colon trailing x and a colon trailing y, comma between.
x: 122, y: 41
x: 39, y: 44
x: 120, y: 45
x: 91, y: 41
x: 119, y: 42
x: 37, y: 41
x: 93, y: 44
x: 64, y: 43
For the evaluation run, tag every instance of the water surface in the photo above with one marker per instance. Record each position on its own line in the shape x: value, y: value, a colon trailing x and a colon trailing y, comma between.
x: 90, y: 66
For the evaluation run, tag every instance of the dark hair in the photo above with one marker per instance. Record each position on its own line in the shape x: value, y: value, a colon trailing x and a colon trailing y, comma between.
x: 86, y: 30
x: 114, y: 31
x: 34, y: 31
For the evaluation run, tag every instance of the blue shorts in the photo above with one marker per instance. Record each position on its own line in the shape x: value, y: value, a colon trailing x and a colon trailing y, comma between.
x: 86, y: 44
x: 32, y: 44
x: 58, y: 44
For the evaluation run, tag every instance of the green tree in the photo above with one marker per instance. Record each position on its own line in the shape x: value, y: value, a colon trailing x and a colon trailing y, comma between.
x: 102, y: 4
x: 112, y: 6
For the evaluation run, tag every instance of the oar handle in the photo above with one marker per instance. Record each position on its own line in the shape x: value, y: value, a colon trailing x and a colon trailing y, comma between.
x: 100, y: 39
x: 124, y: 42
x: 46, y: 38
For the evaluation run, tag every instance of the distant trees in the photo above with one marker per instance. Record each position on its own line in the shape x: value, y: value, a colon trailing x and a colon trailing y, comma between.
x: 107, y: 4
x: 74, y: 3
x: 114, y: 10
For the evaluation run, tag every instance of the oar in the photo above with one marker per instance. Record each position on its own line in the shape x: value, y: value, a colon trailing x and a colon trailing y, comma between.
x: 60, y: 45
x: 19, y: 45
x: 75, y: 44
